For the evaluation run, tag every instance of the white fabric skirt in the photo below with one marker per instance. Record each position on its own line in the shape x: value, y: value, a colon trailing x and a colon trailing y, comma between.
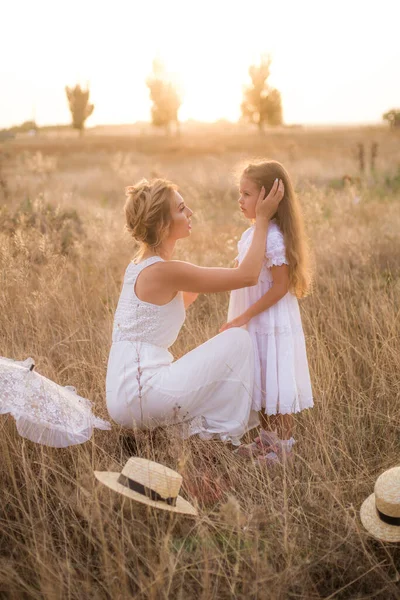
x: 281, y: 376
x: 281, y: 382
x: 209, y: 390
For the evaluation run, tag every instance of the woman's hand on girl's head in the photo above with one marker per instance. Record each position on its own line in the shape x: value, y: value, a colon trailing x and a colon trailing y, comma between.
x: 266, y: 207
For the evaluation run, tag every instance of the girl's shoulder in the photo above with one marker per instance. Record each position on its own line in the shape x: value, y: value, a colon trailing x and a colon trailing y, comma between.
x: 246, y: 235
x: 247, y: 232
x: 274, y: 235
x: 275, y: 250
x: 274, y: 229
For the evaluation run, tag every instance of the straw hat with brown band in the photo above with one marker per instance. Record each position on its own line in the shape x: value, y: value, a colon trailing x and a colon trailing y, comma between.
x: 150, y: 483
x: 380, y: 512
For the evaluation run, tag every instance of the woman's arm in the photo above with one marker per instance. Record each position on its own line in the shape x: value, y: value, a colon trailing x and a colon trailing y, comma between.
x: 186, y: 277
x: 183, y: 276
x: 279, y: 289
x: 189, y: 298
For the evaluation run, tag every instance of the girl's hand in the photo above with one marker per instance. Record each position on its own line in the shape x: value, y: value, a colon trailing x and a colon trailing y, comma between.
x: 238, y: 322
x: 267, y: 207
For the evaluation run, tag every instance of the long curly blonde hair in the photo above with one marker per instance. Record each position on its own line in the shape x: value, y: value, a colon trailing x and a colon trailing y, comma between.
x: 290, y: 220
x: 148, y: 212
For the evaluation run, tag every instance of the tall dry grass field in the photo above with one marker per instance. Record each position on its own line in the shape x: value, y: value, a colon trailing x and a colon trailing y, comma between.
x: 283, y: 533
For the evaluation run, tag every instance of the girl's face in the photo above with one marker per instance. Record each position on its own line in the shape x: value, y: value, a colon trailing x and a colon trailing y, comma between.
x: 249, y: 192
x: 181, y: 214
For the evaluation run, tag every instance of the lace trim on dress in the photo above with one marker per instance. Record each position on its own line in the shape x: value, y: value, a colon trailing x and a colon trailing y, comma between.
x: 305, y: 404
x: 136, y: 320
x: 276, y: 251
x: 277, y: 261
x: 275, y: 254
x: 278, y: 330
x: 198, y: 426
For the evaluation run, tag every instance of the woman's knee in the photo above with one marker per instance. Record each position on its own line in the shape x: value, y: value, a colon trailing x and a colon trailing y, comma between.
x: 237, y: 335
x: 237, y: 339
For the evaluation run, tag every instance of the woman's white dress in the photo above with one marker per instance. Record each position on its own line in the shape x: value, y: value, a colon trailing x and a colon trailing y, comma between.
x: 281, y: 377
x: 45, y: 412
x: 209, y: 389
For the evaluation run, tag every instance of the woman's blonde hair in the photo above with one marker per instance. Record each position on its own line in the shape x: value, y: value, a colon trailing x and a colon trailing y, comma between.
x: 148, y: 212
x: 290, y: 220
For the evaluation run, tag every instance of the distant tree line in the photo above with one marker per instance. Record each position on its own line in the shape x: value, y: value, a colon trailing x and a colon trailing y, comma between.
x: 79, y: 106
x: 165, y: 98
x: 392, y: 117
x: 261, y: 104
x: 27, y: 127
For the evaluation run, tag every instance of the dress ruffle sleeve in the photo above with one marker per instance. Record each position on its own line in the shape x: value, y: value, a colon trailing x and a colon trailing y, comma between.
x: 275, y: 250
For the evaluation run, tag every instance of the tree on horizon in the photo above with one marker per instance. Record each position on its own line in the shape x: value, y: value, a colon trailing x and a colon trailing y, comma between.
x: 79, y: 106
x: 392, y: 117
x: 262, y: 104
x: 165, y: 98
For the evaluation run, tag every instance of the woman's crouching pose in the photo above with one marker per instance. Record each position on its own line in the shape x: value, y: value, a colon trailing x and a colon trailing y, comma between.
x: 210, y: 388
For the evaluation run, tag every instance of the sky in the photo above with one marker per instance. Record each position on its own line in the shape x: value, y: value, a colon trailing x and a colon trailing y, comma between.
x: 333, y: 62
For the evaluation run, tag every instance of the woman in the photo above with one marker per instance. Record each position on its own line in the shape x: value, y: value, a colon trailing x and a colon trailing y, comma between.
x: 209, y: 388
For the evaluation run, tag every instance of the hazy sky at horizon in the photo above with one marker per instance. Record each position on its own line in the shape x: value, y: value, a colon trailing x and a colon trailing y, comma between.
x: 334, y: 62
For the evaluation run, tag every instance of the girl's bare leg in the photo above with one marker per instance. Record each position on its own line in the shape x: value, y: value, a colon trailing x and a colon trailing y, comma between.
x: 282, y: 424
x: 267, y: 422
x: 286, y: 426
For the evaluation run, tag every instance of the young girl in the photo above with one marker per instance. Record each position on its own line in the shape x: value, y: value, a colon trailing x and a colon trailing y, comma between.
x: 270, y: 312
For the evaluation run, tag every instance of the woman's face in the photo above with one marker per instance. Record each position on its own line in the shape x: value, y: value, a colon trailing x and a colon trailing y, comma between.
x: 249, y: 192
x: 181, y: 214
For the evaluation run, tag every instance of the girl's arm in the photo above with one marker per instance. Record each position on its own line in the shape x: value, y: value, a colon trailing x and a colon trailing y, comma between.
x: 279, y: 289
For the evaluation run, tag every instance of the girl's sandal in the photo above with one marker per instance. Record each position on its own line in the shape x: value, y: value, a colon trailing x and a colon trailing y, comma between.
x: 268, y: 460
x: 267, y: 439
x: 264, y: 442
x: 248, y: 450
x: 280, y: 456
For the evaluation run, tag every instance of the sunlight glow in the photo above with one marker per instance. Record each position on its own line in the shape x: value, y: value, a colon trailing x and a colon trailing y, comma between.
x: 323, y: 59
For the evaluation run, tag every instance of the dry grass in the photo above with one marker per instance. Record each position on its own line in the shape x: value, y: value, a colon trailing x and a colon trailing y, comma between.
x: 288, y: 533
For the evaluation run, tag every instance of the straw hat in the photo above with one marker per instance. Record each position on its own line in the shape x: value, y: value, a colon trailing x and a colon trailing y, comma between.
x: 380, y: 512
x: 150, y: 483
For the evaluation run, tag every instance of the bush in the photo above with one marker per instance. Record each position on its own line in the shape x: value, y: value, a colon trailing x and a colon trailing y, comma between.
x: 44, y: 229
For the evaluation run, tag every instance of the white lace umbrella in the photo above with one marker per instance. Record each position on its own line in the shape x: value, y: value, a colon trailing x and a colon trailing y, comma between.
x: 45, y: 412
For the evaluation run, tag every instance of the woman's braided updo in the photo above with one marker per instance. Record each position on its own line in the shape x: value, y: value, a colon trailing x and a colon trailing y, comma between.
x: 148, y: 212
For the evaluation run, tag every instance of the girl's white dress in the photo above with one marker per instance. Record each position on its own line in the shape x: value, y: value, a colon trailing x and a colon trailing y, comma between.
x: 45, y: 412
x: 208, y: 390
x: 281, y: 379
